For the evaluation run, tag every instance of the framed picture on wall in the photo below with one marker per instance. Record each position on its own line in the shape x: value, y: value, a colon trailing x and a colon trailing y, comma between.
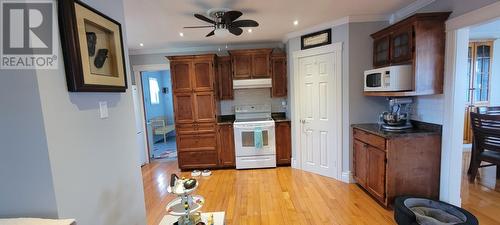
x: 93, y: 49
x: 316, y: 39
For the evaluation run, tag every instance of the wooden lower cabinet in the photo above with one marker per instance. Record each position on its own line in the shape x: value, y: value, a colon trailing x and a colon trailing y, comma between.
x: 225, y: 145
x: 283, y: 143
x: 197, y: 159
x: 197, y: 146
x: 396, y: 165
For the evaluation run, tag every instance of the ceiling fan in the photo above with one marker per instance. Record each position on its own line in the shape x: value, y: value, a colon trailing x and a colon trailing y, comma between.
x: 224, y: 21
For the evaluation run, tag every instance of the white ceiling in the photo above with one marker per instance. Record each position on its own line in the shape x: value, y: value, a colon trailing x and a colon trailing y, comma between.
x: 486, y: 31
x: 157, y: 23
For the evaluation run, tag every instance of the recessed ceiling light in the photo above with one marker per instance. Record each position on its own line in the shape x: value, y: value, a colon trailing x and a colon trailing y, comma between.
x: 141, y: 44
x: 296, y: 22
x: 249, y: 30
x: 181, y: 34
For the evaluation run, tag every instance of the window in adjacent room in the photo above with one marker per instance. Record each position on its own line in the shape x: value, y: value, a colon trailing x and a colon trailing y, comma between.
x: 154, y: 91
x: 479, y: 72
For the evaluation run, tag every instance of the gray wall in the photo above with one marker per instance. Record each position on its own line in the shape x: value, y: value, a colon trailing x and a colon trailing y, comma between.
x: 362, y: 109
x: 94, y: 174
x: 26, y: 187
x: 356, y: 58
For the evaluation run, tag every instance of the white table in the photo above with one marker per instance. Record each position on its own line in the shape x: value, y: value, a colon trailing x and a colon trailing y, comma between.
x: 218, y: 218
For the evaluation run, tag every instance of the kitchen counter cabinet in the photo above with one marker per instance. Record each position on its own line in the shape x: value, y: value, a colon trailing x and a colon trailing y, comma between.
x: 225, y: 145
x: 387, y: 165
x: 283, y: 143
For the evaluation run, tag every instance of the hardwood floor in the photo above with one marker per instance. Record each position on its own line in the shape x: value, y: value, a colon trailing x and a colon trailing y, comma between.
x: 269, y: 196
x: 481, y: 198
x: 288, y: 196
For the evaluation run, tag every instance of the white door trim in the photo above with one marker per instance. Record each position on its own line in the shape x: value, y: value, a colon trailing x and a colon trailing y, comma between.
x: 138, y: 82
x: 457, y: 39
x: 335, y: 48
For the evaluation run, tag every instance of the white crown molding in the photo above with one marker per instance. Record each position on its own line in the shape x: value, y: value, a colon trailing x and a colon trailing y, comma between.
x: 476, y: 17
x: 334, y: 23
x: 208, y: 48
x: 409, y: 9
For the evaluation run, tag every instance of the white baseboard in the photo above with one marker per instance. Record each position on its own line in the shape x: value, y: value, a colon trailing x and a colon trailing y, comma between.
x: 347, y: 177
x: 294, y: 163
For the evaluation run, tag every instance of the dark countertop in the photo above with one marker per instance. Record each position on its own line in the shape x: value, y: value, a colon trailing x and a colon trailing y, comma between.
x: 229, y: 119
x: 419, y: 128
x: 225, y: 119
x: 280, y: 117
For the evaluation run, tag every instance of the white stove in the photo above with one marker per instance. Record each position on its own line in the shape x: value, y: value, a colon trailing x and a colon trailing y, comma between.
x: 252, y: 122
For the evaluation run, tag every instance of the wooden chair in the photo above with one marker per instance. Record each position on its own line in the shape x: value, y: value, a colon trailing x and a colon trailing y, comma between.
x: 486, y: 147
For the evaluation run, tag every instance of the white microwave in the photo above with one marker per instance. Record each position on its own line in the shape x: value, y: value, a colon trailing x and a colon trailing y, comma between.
x: 392, y: 78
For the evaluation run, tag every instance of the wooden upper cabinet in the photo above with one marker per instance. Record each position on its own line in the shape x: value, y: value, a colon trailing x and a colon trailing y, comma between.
x: 261, y: 67
x: 381, y: 51
x: 204, y: 103
x: 181, y: 76
x: 242, y: 66
x: 418, y: 41
x: 183, y: 108
x: 224, y: 78
x: 192, y: 73
x: 402, y: 45
x: 251, y: 63
x: 279, y: 78
x: 203, y: 76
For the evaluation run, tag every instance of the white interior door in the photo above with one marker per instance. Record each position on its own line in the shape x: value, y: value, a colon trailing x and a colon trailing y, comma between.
x: 320, y: 113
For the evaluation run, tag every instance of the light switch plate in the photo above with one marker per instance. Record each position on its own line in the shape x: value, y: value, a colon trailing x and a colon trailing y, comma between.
x: 103, y: 110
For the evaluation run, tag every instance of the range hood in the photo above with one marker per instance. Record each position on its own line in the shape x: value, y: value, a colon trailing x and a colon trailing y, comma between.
x: 252, y: 83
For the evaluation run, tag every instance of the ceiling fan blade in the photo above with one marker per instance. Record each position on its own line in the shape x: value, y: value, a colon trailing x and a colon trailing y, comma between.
x: 245, y: 23
x: 204, y: 18
x: 235, y: 30
x: 210, y: 34
x: 231, y: 16
x: 200, y: 26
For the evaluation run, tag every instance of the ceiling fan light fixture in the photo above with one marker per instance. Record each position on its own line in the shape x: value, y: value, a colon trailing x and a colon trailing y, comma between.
x: 221, y: 32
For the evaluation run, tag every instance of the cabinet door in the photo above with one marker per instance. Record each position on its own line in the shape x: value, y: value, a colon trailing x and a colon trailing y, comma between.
x: 242, y: 66
x: 225, y: 78
x: 204, y: 103
x: 278, y: 66
x: 402, y: 45
x: 381, y: 52
x: 283, y: 143
x: 225, y: 145
x: 360, y: 162
x: 181, y: 76
x: 183, y: 106
x: 260, y: 65
x: 376, y: 173
x: 203, y: 75
x: 197, y: 159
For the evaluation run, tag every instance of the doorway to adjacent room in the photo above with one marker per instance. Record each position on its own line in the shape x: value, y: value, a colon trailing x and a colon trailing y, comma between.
x: 154, y: 87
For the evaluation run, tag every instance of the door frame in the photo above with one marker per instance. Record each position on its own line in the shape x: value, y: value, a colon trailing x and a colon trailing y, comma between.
x: 457, y: 43
x: 138, y: 69
x: 336, y: 49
